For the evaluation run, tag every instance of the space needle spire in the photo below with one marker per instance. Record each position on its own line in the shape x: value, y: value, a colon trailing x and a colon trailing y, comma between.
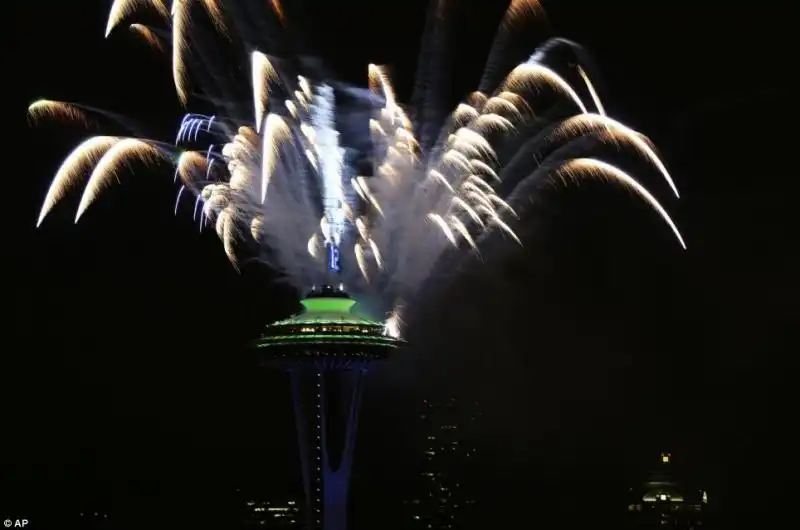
x: 331, y: 169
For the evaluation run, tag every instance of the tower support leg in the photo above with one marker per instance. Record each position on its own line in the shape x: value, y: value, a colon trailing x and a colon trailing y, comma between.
x: 326, y: 403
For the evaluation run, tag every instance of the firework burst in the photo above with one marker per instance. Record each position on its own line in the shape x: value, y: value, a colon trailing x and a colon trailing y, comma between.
x: 279, y: 169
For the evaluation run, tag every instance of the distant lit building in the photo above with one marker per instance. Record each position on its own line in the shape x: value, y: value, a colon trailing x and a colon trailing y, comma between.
x: 271, y: 515
x: 93, y: 520
x: 663, y: 503
x: 443, y: 497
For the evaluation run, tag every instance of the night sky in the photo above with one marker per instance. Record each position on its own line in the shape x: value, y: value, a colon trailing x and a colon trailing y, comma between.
x: 128, y: 385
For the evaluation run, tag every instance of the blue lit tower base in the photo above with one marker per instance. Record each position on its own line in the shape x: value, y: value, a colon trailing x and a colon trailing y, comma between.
x: 326, y: 349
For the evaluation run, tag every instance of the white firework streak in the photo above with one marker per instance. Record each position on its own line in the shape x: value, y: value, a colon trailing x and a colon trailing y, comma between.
x: 330, y: 161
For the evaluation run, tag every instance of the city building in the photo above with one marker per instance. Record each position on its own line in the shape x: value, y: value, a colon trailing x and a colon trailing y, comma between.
x: 270, y: 515
x: 94, y: 519
x: 445, y: 493
x: 327, y: 350
x: 661, y: 502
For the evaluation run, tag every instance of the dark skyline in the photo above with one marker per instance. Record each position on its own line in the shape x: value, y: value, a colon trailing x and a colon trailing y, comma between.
x: 598, y: 345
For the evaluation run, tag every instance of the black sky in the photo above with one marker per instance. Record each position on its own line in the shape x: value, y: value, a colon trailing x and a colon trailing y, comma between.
x: 128, y: 385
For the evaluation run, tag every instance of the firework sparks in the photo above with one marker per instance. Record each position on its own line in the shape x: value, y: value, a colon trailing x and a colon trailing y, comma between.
x: 588, y: 166
x: 147, y: 35
x: 394, y: 323
x: 122, y: 9
x: 278, y: 10
x: 180, y: 28
x: 111, y: 162
x: 587, y: 122
x: 286, y: 178
x: 214, y: 9
x: 73, y: 169
x: 56, y: 110
x: 263, y: 74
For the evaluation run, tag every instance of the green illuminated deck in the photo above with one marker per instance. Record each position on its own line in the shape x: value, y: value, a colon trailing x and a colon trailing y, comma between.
x: 325, y: 337
x: 328, y: 310
x: 335, y: 322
